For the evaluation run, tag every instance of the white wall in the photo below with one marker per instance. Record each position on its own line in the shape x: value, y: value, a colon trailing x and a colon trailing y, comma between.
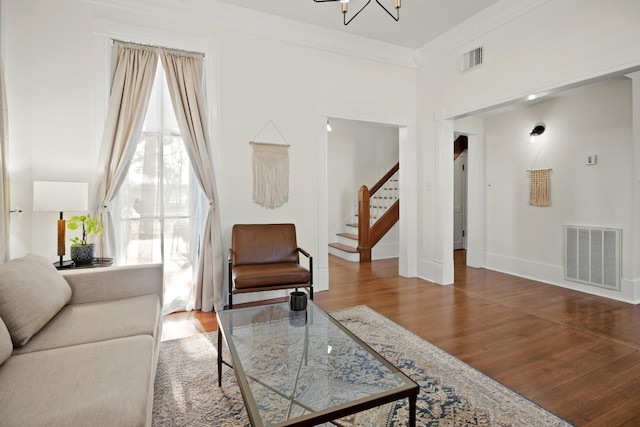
x: 52, y: 89
x: 595, y: 120
x: 53, y: 114
x: 359, y: 153
x: 558, y: 44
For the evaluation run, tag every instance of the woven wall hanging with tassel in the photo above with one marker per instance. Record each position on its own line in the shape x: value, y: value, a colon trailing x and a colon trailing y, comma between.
x: 270, y: 171
x: 540, y: 193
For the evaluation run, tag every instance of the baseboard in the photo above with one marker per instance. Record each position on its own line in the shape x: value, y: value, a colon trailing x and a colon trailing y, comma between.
x: 426, y: 270
x: 434, y: 271
x: 554, y: 275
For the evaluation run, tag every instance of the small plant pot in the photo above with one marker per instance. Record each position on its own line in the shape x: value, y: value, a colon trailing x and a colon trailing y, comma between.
x: 83, y: 254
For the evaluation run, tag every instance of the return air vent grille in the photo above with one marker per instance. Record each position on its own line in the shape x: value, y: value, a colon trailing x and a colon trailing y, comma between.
x: 592, y: 256
x: 472, y: 59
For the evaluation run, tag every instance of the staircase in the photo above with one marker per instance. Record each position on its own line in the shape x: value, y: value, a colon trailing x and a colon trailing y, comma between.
x: 346, y: 246
x: 378, y: 210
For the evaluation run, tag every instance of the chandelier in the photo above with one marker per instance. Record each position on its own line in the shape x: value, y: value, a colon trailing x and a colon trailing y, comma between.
x: 345, y: 9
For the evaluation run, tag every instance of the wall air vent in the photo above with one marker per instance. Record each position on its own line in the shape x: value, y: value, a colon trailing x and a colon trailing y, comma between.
x: 592, y: 256
x: 472, y: 59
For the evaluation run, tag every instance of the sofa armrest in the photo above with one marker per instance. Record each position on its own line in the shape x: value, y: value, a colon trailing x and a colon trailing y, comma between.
x: 112, y: 283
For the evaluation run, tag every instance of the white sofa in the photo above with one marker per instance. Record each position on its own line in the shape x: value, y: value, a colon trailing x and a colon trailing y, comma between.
x: 78, y: 348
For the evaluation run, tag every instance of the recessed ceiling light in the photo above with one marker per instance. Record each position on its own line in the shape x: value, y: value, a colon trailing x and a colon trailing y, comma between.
x: 531, y: 97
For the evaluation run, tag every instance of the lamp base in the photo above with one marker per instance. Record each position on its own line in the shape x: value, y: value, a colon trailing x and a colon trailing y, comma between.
x: 64, y: 264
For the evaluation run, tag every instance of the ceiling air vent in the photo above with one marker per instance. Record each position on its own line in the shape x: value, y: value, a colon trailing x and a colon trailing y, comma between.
x: 472, y: 59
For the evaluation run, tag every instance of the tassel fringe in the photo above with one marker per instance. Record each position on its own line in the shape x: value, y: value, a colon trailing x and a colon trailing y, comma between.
x: 270, y: 175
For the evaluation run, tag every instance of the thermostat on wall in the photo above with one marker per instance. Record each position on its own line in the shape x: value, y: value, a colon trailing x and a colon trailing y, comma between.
x: 591, y: 159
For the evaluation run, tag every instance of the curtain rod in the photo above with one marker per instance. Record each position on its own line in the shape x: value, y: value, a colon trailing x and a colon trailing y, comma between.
x: 171, y: 49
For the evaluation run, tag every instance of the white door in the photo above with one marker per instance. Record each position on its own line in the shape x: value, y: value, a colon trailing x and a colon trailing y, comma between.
x: 460, y: 201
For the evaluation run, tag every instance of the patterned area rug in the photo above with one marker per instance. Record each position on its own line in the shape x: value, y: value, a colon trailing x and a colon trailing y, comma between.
x: 451, y: 392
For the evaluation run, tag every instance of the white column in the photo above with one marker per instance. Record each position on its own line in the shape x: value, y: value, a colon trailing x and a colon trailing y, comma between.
x: 443, y: 249
x: 635, y: 123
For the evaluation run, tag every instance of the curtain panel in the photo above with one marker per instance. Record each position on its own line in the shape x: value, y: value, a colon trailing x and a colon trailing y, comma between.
x: 134, y: 73
x: 184, y: 73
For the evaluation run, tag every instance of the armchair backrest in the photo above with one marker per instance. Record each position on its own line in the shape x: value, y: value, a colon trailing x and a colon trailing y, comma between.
x: 263, y: 244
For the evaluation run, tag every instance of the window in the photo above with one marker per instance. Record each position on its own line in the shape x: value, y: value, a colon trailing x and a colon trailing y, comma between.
x: 158, y: 208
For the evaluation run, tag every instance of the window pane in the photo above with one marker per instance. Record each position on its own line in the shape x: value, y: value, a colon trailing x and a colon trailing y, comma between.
x: 176, y: 178
x: 139, y: 195
x: 143, y: 239
x: 177, y: 261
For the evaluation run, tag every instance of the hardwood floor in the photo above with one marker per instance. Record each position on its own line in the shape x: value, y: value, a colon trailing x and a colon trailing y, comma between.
x: 576, y: 355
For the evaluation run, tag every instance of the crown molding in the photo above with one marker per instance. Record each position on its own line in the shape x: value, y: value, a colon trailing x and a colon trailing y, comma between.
x: 261, y: 24
x: 249, y: 21
x: 486, y: 20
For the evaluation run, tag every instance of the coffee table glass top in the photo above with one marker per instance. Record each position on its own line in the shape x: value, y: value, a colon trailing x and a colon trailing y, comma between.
x: 296, y: 366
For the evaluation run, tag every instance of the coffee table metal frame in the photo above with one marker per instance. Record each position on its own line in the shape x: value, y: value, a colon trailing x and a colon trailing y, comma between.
x: 408, y: 390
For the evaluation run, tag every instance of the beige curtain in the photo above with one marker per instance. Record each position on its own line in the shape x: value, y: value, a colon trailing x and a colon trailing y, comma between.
x: 4, y: 174
x: 135, y: 69
x: 184, y: 77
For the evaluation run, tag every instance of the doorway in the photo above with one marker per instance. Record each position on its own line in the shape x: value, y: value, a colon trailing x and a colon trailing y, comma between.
x: 407, y: 260
x: 359, y: 153
x: 460, y: 201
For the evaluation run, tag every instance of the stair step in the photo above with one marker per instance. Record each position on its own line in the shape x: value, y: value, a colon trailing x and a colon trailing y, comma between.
x: 345, y: 248
x: 349, y: 236
x: 353, y: 225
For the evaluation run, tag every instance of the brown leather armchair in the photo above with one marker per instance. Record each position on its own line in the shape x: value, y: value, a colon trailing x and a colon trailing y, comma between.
x: 265, y: 257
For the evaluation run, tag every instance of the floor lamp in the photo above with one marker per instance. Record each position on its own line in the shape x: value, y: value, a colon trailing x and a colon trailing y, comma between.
x: 57, y: 196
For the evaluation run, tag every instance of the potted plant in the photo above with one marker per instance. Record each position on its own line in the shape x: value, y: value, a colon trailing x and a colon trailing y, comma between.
x: 81, y: 251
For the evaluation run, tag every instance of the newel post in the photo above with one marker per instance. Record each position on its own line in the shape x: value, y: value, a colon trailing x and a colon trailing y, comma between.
x: 364, y: 223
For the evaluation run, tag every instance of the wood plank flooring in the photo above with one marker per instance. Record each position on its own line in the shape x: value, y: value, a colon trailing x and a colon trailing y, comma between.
x: 576, y: 355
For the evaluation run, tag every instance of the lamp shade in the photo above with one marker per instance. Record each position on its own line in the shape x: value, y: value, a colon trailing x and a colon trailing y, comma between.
x: 60, y: 196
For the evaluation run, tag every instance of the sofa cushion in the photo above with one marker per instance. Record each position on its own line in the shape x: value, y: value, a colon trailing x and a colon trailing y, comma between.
x: 100, y: 321
x: 6, y: 346
x: 104, y: 383
x: 31, y: 293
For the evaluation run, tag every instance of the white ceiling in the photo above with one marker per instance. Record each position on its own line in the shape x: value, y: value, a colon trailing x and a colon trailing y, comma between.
x: 420, y: 20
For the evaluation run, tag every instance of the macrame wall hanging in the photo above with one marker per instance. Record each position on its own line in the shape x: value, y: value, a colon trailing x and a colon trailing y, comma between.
x: 270, y: 167
x: 540, y: 192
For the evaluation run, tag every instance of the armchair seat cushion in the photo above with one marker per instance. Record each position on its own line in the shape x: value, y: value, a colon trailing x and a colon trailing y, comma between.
x: 264, y: 275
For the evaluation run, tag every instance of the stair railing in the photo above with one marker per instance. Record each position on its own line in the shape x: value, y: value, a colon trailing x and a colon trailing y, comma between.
x: 375, y: 220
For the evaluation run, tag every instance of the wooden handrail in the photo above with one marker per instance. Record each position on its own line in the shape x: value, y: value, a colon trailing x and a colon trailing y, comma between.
x: 459, y: 145
x: 384, y: 179
x: 384, y: 223
x: 368, y: 236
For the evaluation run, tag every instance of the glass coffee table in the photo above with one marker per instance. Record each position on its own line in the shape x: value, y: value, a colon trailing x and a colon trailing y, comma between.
x: 305, y: 368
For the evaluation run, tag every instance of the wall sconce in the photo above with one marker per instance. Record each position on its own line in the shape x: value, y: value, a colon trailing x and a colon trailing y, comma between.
x: 538, y: 130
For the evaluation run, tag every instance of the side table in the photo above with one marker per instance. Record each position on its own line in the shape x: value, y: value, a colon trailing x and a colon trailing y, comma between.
x: 97, y: 262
